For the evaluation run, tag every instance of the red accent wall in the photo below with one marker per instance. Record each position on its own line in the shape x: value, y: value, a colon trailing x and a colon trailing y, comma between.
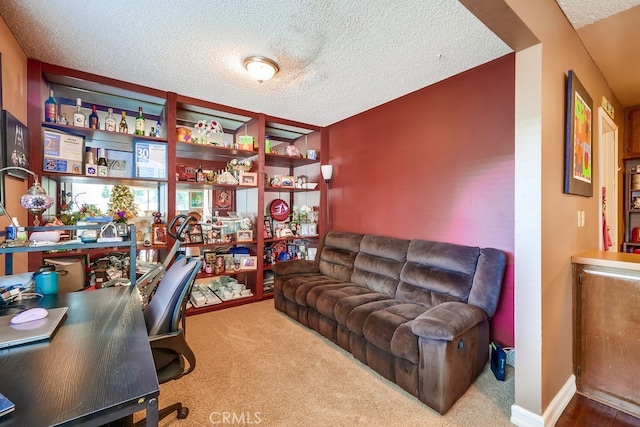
x: 436, y: 164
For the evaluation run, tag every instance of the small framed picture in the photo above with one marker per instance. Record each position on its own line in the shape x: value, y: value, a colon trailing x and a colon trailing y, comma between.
x: 268, y: 230
x: 244, y: 235
x: 288, y: 181
x: 159, y: 235
x: 209, y: 257
x: 308, y: 229
x: 122, y: 229
x: 248, y: 179
x: 195, y: 234
x: 248, y: 262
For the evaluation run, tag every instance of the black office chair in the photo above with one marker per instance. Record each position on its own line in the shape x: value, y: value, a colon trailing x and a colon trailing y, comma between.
x: 164, y: 316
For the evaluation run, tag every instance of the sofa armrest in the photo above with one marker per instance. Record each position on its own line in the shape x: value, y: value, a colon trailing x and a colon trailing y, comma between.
x: 448, y: 320
x: 297, y: 266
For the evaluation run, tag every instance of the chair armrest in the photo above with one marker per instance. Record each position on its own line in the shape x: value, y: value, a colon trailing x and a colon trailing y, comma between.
x: 448, y: 320
x: 175, y: 341
x: 297, y: 266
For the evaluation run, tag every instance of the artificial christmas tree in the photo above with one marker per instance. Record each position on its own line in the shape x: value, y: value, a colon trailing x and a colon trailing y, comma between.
x: 121, y: 204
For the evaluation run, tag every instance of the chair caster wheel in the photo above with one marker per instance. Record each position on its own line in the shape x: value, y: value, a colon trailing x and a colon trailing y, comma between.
x: 182, y: 413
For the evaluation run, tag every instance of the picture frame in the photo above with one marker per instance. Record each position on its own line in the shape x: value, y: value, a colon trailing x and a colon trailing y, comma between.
x: 308, y: 229
x: 249, y: 179
x: 223, y: 199
x: 194, y: 232
x: 16, y: 145
x: 244, y: 235
x: 195, y: 199
x: 122, y: 229
x: 578, y: 177
x: 287, y: 181
x: 248, y: 263
x: 159, y: 235
x: 1, y: 139
x: 209, y: 257
x: 268, y: 229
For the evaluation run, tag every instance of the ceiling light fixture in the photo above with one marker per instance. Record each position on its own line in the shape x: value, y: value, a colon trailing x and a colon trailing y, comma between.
x: 261, y: 68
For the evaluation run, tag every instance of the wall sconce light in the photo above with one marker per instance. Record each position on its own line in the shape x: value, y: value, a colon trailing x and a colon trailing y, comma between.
x: 261, y: 68
x: 35, y: 200
x: 327, y: 172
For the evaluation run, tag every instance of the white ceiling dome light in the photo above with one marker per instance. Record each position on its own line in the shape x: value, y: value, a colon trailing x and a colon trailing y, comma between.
x: 261, y: 68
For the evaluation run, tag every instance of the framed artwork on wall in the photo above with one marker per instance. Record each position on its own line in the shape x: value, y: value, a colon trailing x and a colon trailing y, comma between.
x: 16, y: 144
x: 578, y: 165
x: 223, y: 199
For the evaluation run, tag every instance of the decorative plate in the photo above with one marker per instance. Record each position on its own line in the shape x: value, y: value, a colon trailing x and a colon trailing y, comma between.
x: 279, y: 210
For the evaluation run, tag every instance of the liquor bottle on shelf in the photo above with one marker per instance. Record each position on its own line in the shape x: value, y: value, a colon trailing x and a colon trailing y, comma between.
x: 200, y: 174
x: 79, y: 119
x: 158, y: 128
x: 94, y: 121
x: 110, y: 121
x: 103, y: 169
x: 62, y: 120
x: 50, y: 109
x: 123, y: 123
x: 139, y: 123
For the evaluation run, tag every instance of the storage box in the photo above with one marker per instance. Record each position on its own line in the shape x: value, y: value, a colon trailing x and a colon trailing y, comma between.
x: 71, y: 273
x: 63, y: 153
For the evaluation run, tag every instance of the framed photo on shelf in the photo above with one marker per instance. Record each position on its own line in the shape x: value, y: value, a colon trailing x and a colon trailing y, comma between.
x: 268, y: 230
x: 16, y: 145
x: 209, y: 257
x: 248, y: 178
x: 248, y: 262
x: 159, y: 235
x: 195, y: 233
x: 244, y: 235
x: 308, y: 229
x: 287, y: 182
x: 578, y: 166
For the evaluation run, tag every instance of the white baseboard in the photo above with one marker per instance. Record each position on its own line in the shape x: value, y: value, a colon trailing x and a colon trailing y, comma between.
x: 525, y: 418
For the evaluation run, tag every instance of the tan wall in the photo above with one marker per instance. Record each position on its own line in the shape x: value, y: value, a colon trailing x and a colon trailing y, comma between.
x: 561, y: 238
x: 14, y: 99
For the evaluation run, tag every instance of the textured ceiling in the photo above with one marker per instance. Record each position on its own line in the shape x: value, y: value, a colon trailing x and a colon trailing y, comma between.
x: 610, y: 31
x: 581, y: 12
x: 337, y: 58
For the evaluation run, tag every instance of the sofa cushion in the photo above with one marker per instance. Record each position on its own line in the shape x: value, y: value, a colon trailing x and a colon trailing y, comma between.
x: 346, y: 305
x: 296, y: 288
x: 379, y: 263
x: 338, y: 254
x: 437, y: 272
x: 382, y: 325
x: 326, y: 302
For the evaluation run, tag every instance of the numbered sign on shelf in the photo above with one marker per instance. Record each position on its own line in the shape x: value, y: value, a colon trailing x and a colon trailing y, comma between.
x: 150, y: 160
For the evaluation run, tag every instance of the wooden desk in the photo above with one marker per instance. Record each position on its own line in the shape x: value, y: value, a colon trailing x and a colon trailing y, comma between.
x: 97, y: 367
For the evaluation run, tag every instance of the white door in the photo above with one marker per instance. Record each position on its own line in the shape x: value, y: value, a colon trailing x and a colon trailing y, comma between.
x: 608, y: 173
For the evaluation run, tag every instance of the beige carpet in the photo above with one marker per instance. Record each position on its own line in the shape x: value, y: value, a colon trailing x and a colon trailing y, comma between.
x: 256, y: 366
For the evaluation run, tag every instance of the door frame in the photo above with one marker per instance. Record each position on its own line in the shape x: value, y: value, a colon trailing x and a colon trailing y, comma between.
x: 608, y: 173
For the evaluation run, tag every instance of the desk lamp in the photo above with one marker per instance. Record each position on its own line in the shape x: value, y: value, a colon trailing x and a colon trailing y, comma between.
x: 35, y: 200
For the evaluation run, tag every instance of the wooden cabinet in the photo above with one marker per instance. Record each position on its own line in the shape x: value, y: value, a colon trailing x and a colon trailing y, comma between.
x: 632, y: 131
x: 211, y: 151
x: 606, y: 345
